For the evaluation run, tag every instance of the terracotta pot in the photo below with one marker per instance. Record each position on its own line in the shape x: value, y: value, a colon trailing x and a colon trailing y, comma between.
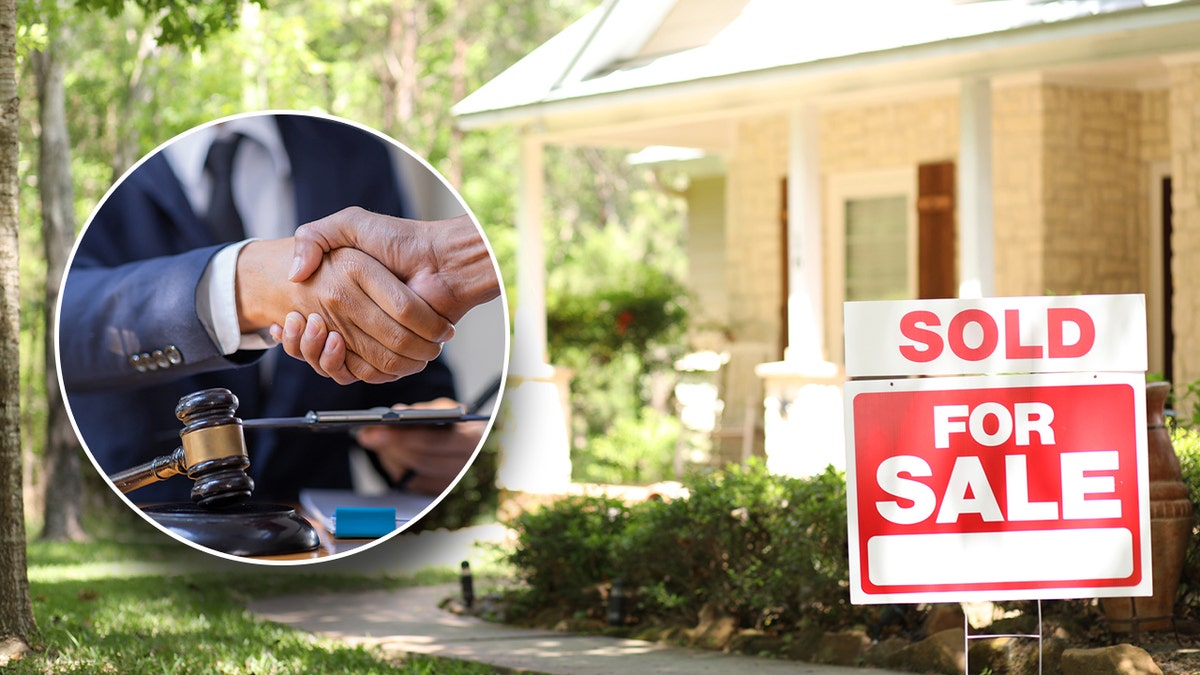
x: 1170, y: 527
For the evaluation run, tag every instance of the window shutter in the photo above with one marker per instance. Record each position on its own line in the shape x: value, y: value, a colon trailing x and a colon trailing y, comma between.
x: 937, y: 271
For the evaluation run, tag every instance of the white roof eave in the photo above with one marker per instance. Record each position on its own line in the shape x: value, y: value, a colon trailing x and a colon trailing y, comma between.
x: 1141, y: 31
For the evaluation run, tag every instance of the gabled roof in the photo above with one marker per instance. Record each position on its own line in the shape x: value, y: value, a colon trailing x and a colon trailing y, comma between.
x: 627, y: 46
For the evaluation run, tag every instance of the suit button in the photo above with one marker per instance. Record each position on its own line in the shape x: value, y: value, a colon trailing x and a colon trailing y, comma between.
x: 160, y: 359
x: 174, y: 356
x: 138, y: 363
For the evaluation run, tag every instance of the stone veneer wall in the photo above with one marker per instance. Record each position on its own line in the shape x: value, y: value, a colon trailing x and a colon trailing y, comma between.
x: 1017, y: 197
x: 1185, y: 185
x: 1071, y: 188
x: 754, y: 261
x: 1094, y: 188
x: 1070, y: 174
x: 900, y: 135
x: 753, y: 272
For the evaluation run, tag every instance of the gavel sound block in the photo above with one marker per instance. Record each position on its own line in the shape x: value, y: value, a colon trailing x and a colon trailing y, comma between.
x: 212, y: 453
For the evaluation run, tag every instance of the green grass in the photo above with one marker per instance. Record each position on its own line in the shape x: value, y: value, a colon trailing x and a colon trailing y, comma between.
x: 154, y: 607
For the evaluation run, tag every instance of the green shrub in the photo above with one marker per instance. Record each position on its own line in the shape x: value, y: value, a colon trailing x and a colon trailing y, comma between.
x: 768, y: 550
x: 638, y: 450
x: 565, y: 550
x: 1187, y: 447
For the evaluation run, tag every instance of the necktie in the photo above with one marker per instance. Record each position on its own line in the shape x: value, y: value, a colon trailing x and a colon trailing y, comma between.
x: 222, y: 216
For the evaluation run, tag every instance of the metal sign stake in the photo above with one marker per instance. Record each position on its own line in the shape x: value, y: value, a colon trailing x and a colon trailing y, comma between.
x: 967, y: 637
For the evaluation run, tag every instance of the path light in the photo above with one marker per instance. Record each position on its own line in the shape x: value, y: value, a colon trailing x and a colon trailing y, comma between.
x: 468, y: 585
x: 616, y: 603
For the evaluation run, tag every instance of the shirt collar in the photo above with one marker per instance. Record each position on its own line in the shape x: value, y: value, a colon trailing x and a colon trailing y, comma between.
x: 186, y: 154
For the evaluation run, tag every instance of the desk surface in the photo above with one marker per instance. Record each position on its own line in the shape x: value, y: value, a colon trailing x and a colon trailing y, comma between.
x: 328, y: 545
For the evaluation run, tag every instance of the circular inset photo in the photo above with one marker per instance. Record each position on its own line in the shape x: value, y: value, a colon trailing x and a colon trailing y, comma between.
x: 282, y: 337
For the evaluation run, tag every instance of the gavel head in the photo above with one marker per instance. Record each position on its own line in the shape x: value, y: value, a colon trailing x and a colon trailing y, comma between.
x: 214, y: 448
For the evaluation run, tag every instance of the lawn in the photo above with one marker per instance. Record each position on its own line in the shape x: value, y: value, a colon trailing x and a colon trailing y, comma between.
x: 155, y: 606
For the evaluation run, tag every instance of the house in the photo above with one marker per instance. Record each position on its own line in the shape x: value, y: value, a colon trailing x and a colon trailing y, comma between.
x: 873, y: 149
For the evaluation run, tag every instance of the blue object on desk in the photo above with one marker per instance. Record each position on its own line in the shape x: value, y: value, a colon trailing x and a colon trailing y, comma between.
x: 356, y: 522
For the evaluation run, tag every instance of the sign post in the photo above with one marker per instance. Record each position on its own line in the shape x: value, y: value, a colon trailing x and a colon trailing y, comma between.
x: 989, y: 486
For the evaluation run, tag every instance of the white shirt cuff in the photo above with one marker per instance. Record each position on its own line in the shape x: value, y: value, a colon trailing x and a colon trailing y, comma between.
x: 216, y: 304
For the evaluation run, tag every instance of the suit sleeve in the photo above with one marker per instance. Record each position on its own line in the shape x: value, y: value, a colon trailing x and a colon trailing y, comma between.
x: 128, y: 309
x: 135, y: 324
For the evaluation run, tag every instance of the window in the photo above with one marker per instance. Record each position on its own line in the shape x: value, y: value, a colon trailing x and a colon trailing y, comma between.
x: 871, y: 252
x: 876, y: 251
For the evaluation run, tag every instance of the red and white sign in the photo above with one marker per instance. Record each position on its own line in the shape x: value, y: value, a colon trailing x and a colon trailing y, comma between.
x: 997, y: 487
x: 1043, y: 334
x: 1007, y: 487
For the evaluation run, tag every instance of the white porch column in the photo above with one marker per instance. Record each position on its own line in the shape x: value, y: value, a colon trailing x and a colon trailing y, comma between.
x: 806, y: 318
x: 803, y: 399
x: 534, y: 447
x: 977, y: 272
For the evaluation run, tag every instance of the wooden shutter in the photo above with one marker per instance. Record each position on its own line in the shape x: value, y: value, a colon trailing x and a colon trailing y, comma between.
x: 937, y: 271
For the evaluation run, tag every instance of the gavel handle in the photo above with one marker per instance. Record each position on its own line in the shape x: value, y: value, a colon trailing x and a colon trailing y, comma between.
x: 159, y: 468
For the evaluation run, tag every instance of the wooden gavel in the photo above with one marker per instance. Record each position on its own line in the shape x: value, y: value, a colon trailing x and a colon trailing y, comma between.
x: 212, y: 452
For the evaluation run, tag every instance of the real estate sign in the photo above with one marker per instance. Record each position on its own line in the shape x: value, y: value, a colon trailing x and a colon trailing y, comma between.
x: 1017, y: 486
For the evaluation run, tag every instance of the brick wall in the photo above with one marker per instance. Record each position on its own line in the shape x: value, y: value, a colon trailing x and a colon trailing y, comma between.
x: 1095, y: 214
x: 1070, y: 167
x: 754, y: 271
x: 754, y: 267
x: 1017, y: 198
x: 888, y: 136
x: 1184, y: 105
x: 898, y: 135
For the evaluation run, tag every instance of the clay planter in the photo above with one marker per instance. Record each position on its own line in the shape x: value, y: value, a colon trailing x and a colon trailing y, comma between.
x: 1170, y: 528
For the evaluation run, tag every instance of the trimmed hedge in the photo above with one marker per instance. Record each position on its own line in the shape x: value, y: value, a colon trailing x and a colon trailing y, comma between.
x: 768, y: 550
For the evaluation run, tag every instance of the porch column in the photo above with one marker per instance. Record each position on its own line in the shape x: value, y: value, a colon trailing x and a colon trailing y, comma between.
x: 532, y: 431
x: 803, y: 400
x: 806, y: 320
x: 977, y: 273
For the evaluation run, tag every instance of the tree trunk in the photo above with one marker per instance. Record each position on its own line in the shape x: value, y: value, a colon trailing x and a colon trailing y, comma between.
x: 16, y: 609
x: 127, y: 145
x: 399, y: 74
x: 64, y: 484
x: 458, y: 91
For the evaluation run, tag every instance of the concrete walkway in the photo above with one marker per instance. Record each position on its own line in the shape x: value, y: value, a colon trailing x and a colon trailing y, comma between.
x: 409, y: 621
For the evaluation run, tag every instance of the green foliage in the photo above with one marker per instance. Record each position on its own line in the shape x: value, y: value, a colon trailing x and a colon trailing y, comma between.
x: 1187, y: 406
x: 138, y: 620
x: 632, y: 307
x: 565, y: 550
x: 149, y: 625
x: 767, y: 550
x: 638, y: 450
x: 615, y: 307
x: 187, y: 24
x: 139, y: 72
x: 1187, y: 447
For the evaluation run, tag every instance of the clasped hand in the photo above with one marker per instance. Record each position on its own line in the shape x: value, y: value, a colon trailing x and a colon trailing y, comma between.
x: 367, y: 297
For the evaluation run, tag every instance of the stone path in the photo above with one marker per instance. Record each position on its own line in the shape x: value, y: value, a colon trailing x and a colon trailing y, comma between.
x: 409, y: 621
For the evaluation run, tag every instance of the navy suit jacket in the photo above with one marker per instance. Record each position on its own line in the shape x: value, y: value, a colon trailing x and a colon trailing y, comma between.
x: 131, y: 289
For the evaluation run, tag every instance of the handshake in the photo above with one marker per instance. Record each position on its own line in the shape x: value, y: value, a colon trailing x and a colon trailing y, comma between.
x: 365, y: 297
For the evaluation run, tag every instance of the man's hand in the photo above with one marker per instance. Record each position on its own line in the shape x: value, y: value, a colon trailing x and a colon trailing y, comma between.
x: 446, y: 262
x: 384, y: 329
x: 425, y: 459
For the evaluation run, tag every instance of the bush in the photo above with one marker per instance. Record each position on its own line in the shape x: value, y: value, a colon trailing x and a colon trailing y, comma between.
x: 564, y: 550
x: 768, y: 550
x: 638, y: 450
x: 1187, y: 447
